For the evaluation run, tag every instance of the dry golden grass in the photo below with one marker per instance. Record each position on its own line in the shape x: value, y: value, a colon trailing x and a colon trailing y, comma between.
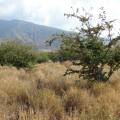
x: 45, y: 94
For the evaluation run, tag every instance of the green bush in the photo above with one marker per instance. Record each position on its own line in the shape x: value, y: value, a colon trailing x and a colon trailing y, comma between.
x: 43, y: 57
x: 17, y: 54
x: 89, y: 50
x: 55, y: 56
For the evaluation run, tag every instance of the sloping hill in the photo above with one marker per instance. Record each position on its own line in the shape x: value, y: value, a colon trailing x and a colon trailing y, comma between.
x: 27, y: 32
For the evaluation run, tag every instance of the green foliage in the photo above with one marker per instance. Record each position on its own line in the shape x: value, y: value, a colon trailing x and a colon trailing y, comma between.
x: 92, y: 51
x: 17, y: 54
x: 55, y: 56
x: 43, y: 57
x: 66, y: 51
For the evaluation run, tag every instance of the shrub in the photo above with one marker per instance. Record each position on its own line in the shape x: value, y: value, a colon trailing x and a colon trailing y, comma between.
x: 17, y: 54
x: 46, y: 56
x: 93, y: 51
x: 43, y: 57
x: 54, y: 56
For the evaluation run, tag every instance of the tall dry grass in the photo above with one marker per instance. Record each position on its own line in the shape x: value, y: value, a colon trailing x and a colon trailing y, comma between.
x: 43, y: 93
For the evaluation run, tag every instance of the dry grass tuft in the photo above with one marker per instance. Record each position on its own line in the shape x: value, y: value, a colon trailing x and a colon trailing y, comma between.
x: 45, y: 94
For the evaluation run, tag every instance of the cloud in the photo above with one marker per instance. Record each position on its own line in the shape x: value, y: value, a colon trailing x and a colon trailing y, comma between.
x: 51, y: 12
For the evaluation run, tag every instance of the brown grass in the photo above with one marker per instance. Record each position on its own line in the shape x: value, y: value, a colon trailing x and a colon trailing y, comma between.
x: 45, y: 94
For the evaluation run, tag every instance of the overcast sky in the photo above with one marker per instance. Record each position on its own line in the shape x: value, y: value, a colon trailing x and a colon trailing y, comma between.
x: 51, y: 12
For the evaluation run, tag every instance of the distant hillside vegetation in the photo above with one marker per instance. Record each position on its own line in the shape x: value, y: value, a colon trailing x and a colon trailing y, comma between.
x: 27, y: 32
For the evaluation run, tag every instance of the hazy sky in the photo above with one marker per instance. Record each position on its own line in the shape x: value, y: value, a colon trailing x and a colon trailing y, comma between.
x: 51, y: 12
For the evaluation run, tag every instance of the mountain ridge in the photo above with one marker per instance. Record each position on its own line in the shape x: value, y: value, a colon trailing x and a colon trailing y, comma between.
x: 27, y: 32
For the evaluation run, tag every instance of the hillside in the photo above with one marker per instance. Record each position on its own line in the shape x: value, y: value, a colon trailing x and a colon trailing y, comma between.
x: 27, y: 32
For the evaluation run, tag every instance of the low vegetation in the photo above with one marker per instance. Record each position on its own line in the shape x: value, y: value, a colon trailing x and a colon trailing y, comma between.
x: 40, y: 94
x: 17, y: 54
x: 21, y: 55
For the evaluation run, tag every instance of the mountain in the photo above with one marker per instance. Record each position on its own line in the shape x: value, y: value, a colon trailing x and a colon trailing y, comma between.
x: 27, y: 32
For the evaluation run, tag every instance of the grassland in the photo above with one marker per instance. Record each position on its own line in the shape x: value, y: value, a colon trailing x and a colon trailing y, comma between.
x: 43, y: 93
